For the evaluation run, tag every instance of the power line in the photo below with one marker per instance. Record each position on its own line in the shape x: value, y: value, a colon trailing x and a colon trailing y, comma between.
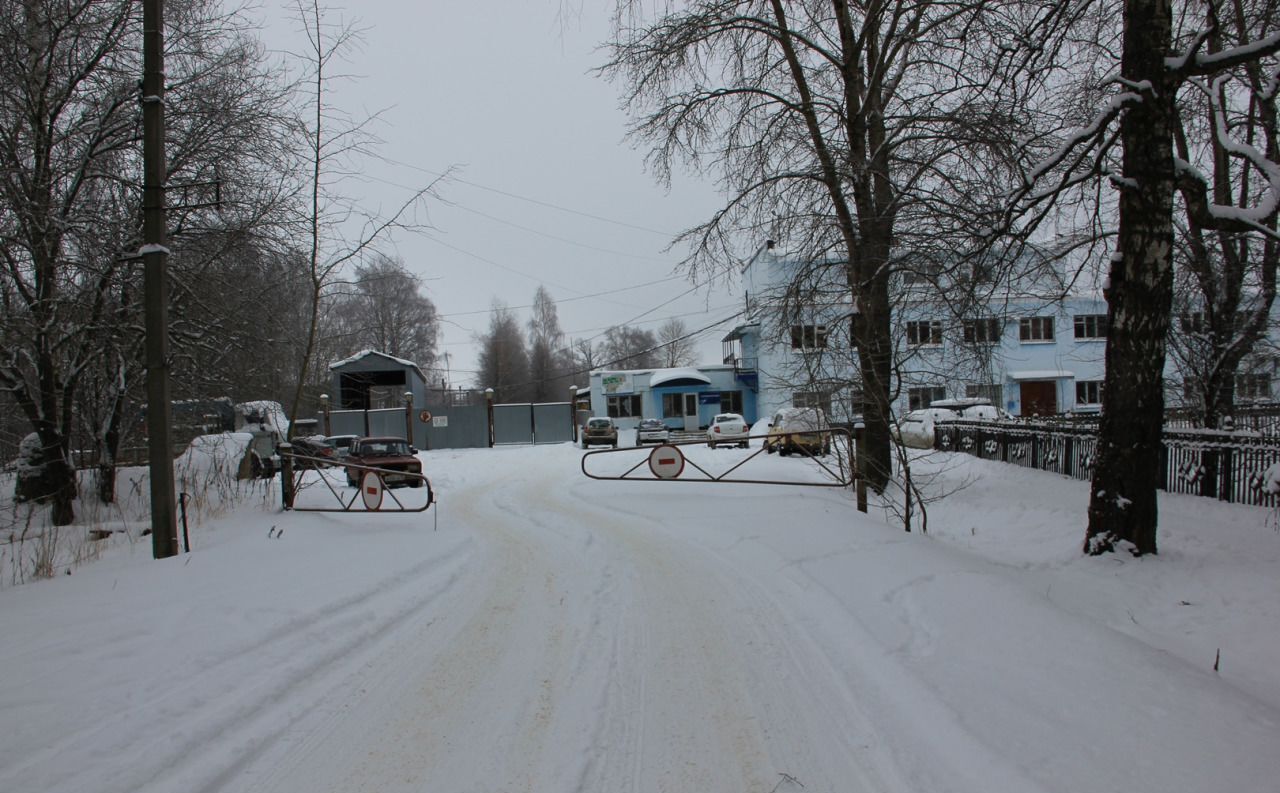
x: 570, y: 299
x: 513, y: 224
x: 538, y: 202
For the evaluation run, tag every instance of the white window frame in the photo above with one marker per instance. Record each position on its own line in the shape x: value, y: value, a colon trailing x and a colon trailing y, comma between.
x: 1031, y: 330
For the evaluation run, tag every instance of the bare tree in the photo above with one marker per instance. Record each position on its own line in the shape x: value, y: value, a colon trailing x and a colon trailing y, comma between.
x: 504, y: 358
x: 586, y: 356
x: 385, y: 310
x: 331, y: 143
x: 848, y: 132
x: 1226, y: 132
x: 1142, y: 123
x: 549, y: 361
x: 676, y: 347
x: 626, y: 347
x: 69, y: 207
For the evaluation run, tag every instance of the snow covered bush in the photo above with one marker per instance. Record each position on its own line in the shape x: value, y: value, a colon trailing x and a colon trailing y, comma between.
x: 31, y: 483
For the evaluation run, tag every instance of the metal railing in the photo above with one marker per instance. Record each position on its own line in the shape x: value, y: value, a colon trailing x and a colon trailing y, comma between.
x: 1229, y: 466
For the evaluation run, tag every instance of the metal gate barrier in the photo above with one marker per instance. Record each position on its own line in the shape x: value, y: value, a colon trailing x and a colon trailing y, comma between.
x: 667, y: 463
x: 368, y: 496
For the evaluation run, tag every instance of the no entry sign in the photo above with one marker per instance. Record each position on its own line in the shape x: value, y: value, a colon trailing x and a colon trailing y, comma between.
x: 666, y: 462
x: 371, y: 490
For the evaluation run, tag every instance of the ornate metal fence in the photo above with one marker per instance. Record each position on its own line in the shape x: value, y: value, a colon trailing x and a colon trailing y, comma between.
x: 1230, y: 466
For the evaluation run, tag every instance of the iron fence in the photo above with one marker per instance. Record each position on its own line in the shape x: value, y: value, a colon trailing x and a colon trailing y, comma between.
x: 1230, y: 466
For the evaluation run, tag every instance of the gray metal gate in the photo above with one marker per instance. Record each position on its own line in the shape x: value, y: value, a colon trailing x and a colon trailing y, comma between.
x: 553, y: 422
x: 462, y: 426
x: 548, y: 422
x: 387, y: 421
x: 452, y: 427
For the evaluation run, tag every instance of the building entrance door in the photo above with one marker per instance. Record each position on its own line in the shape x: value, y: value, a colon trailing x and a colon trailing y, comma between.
x: 1039, y: 398
x: 691, y: 412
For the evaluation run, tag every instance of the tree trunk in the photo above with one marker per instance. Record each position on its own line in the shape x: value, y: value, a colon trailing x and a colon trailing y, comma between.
x: 875, y: 362
x: 1122, y: 506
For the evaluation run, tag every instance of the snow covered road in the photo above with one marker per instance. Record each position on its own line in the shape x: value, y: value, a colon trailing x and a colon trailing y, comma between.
x: 563, y: 634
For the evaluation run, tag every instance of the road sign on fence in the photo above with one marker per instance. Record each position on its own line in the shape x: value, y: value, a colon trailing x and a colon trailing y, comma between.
x: 371, y: 490
x: 666, y: 462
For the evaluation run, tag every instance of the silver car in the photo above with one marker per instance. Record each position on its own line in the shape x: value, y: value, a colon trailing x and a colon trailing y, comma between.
x: 652, y: 431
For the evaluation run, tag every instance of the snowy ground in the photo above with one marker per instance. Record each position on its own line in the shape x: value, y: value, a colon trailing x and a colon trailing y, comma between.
x: 542, y: 631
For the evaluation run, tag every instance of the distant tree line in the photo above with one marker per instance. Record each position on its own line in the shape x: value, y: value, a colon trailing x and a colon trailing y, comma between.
x: 541, y: 365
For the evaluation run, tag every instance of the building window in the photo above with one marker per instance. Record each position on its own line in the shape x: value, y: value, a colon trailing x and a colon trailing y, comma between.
x: 924, y: 396
x: 622, y: 407
x: 808, y: 337
x: 730, y: 401
x: 812, y: 399
x: 1088, y: 392
x: 1091, y: 326
x: 1253, y: 386
x: 921, y: 272
x: 992, y: 392
x: 924, y: 333
x: 986, y: 330
x: 1036, y: 329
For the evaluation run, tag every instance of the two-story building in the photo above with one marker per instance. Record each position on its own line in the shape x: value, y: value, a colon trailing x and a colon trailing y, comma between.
x: 1033, y: 348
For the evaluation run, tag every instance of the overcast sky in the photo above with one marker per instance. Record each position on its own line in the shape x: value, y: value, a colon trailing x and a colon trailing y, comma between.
x: 546, y: 189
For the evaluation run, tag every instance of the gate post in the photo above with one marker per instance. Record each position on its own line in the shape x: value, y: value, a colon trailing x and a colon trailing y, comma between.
x: 408, y: 417
x: 286, y: 475
x: 488, y: 399
x: 573, y: 413
x: 324, y: 409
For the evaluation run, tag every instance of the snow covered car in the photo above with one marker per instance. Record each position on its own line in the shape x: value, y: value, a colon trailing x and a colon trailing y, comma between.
x: 390, y: 453
x: 652, y: 431
x: 915, y: 430
x: 599, y: 430
x: 798, y: 430
x: 728, y: 428
x: 341, y: 444
x: 973, y: 409
x: 312, y: 452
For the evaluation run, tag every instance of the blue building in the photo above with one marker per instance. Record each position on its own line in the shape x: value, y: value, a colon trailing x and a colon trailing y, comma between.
x: 1032, y: 347
x: 685, y: 398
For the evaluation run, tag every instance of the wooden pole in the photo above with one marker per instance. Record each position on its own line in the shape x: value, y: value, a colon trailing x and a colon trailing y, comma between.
x: 155, y: 258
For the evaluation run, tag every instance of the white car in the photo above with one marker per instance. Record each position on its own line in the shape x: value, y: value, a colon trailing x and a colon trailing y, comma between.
x: 915, y: 430
x: 729, y: 428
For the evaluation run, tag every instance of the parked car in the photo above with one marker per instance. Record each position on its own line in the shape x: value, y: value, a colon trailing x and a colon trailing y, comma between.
x: 729, y: 428
x: 973, y: 409
x: 798, y: 430
x: 599, y: 430
x: 384, y: 452
x: 312, y: 452
x: 652, y: 431
x: 341, y: 444
x: 916, y: 429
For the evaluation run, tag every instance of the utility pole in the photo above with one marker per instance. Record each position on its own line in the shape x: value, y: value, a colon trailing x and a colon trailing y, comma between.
x: 155, y: 259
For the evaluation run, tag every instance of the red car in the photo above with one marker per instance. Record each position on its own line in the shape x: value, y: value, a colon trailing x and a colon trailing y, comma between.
x: 385, y: 453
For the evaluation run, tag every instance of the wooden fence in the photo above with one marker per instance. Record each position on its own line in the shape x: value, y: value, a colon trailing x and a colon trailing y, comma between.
x: 1230, y: 466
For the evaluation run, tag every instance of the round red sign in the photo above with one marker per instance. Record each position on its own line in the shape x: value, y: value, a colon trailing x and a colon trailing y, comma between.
x: 666, y: 462
x: 371, y: 490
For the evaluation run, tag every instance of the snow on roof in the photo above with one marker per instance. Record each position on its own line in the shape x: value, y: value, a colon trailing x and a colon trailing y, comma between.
x: 366, y: 353
x: 1041, y: 374
x: 661, y: 376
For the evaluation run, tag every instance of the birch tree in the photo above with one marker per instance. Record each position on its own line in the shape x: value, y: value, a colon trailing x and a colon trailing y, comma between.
x: 1141, y: 144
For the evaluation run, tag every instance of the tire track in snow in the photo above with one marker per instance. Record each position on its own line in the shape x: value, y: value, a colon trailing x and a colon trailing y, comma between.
x: 270, y: 684
x: 478, y: 701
